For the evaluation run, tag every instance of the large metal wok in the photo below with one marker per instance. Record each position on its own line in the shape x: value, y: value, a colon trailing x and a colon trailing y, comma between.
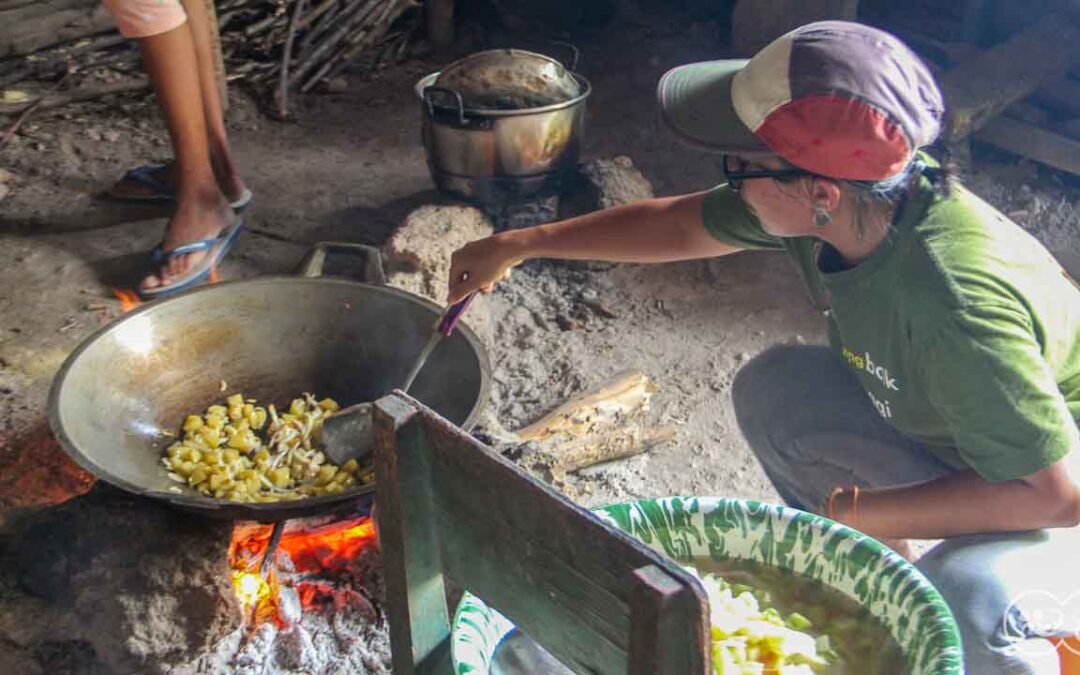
x: 123, y: 389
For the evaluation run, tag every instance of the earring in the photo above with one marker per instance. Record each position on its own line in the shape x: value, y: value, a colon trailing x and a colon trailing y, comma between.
x: 821, y: 217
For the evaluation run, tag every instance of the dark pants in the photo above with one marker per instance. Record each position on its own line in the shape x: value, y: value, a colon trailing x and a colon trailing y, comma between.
x: 812, y: 427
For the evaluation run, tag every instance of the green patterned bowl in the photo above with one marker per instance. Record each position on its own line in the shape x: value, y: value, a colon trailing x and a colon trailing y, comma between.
x: 696, y: 528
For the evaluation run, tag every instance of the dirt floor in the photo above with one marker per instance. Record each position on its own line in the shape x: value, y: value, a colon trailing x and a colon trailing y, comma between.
x: 352, y: 167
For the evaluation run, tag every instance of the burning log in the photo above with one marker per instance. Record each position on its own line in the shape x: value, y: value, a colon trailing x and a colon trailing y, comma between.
x: 602, y: 424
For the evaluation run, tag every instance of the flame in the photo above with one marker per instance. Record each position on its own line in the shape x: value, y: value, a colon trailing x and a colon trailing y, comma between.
x: 313, y: 552
x: 128, y: 299
x: 250, y: 588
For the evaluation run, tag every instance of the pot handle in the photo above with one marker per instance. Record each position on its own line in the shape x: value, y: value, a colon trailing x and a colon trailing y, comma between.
x: 573, y: 50
x: 315, y: 259
x: 428, y: 91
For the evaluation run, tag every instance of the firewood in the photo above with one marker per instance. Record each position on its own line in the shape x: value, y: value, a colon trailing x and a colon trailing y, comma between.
x: 623, y: 395
x: 352, y: 17
x: 603, y: 424
x: 600, y: 447
x: 74, y: 95
x: 283, y: 78
x: 270, y: 45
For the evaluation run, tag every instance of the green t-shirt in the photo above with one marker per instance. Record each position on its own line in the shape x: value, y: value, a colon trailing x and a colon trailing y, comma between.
x: 962, y: 328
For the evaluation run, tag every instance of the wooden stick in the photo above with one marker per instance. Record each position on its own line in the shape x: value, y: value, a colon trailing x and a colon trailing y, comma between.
x: 440, y: 22
x: 319, y: 26
x: 353, y: 17
x: 356, y: 44
x: 315, y: 13
x: 215, y: 51
x: 75, y: 95
x: 283, y: 78
x: 28, y: 112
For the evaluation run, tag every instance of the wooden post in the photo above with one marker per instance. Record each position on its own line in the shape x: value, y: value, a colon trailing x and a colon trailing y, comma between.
x: 415, y: 592
x: 756, y: 23
x: 440, y: 22
x: 975, y: 20
x: 655, y: 626
x: 219, y: 58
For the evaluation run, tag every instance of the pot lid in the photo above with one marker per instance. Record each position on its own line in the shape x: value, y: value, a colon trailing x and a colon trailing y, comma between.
x: 509, y: 79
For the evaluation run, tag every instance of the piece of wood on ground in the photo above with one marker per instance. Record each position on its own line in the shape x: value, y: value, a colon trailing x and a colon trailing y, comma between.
x: 602, y: 424
x: 980, y: 88
x: 87, y: 93
x: 622, y: 395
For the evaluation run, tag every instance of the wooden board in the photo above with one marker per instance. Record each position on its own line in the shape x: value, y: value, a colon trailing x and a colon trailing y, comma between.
x: 1042, y: 145
x: 448, y: 505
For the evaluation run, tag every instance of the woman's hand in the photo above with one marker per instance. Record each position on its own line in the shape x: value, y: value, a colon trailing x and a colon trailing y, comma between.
x: 480, y: 264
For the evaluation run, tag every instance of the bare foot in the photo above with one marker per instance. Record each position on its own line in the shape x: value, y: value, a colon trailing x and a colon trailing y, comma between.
x: 193, y: 220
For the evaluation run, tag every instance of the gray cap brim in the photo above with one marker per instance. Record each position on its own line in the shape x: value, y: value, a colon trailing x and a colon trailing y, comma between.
x: 695, y: 102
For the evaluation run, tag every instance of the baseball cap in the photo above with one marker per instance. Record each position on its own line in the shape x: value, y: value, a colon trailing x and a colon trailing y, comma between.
x: 835, y: 98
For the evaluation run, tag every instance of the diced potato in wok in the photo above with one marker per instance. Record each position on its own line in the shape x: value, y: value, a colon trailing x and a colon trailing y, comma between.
x: 245, y: 452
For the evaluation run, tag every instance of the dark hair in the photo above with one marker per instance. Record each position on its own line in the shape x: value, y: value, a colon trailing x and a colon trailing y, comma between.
x: 894, y: 190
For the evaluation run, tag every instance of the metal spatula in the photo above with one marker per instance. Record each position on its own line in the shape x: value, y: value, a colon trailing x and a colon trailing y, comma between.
x: 348, y: 433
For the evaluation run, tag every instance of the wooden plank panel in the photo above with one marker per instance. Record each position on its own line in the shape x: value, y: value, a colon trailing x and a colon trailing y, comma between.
x: 980, y: 88
x: 575, y: 564
x: 559, y: 613
x: 1041, y: 145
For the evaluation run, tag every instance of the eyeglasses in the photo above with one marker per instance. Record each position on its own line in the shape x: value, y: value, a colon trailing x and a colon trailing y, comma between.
x: 736, y: 171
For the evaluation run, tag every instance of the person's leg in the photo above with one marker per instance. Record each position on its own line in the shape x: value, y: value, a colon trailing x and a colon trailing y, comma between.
x: 220, y: 152
x: 1008, y: 593
x: 812, y: 427
x: 201, y: 209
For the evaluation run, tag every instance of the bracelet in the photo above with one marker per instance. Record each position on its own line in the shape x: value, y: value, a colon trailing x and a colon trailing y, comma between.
x: 836, y: 492
x: 855, y: 506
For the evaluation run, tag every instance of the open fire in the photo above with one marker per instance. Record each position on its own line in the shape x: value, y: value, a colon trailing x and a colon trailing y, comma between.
x: 314, y: 606
x: 317, y: 563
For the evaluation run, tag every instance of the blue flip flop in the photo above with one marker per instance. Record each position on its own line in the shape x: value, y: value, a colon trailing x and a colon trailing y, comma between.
x: 163, y: 193
x: 215, y: 247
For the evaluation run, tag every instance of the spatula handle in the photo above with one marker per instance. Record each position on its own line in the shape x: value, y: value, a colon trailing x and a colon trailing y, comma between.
x: 453, y: 313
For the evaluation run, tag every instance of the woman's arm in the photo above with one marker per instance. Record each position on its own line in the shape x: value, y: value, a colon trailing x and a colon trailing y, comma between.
x: 965, y: 503
x: 656, y: 230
